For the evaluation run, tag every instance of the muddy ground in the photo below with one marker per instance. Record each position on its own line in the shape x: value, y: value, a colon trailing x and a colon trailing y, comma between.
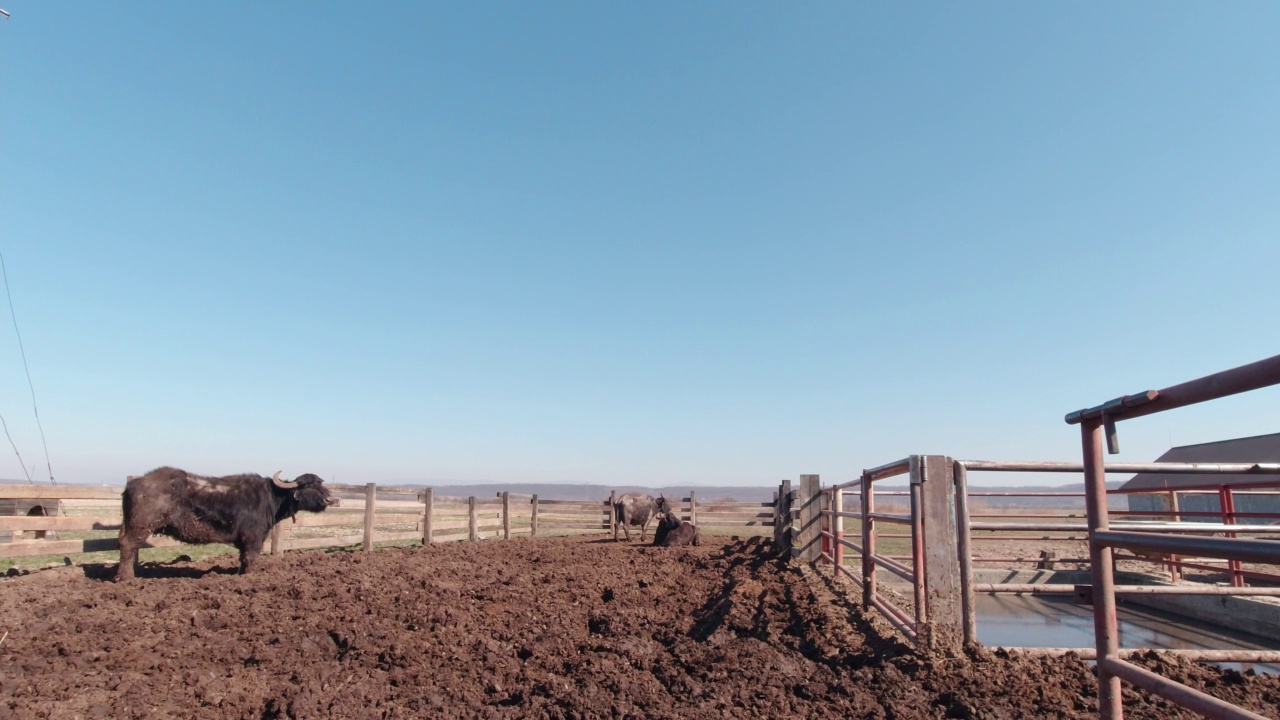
x: 538, y: 628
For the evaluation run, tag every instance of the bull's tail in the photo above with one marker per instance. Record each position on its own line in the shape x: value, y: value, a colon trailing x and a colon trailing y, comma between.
x: 617, y: 512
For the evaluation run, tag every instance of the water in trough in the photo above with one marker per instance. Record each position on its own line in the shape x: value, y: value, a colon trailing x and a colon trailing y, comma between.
x: 1050, y: 621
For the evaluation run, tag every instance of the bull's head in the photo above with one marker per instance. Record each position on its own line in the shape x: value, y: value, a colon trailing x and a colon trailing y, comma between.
x: 308, y: 491
x: 663, y: 505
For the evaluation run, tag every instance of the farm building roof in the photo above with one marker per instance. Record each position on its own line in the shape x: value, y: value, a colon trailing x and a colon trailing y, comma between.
x: 1257, y: 449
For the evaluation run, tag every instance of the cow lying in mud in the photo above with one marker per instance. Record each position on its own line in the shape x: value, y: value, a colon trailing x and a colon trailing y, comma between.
x: 672, y: 532
x: 638, y: 509
x: 237, y: 509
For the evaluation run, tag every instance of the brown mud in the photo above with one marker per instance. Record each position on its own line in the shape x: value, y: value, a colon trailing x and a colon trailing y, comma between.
x: 541, y: 628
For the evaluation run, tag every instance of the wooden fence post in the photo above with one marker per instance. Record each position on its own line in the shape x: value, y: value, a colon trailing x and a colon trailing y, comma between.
x: 613, y: 515
x: 428, y: 523
x: 506, y: 515
x: 533, y: 516
x: 809, y: 498
x: 370, y: 492
x: 941, y: 557
x: 275, y: 538
x: 471, y: 517
x: 777, y: 521
x: 784, y: 524
x: 693, y: 508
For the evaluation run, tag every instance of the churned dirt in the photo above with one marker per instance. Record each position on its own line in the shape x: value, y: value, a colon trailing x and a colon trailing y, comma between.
x: 536, y: 628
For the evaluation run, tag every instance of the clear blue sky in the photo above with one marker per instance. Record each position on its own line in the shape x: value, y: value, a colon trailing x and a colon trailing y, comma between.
x: 649, y: 243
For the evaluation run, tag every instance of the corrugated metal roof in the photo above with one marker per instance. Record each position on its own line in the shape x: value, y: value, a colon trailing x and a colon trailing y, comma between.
x: 1257, y: 449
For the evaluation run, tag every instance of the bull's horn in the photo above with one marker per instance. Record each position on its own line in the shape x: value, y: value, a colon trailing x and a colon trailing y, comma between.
x: 284, y: 484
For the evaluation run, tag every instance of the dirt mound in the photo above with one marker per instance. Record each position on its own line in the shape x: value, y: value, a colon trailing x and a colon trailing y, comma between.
x: 545, y: 628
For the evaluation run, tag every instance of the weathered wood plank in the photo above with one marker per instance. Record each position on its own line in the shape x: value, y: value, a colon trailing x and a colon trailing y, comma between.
x: 337, y: 541
x: 61, y: 492
x: 27, y: 548
x: 739, y: 522
x: 37, y: 522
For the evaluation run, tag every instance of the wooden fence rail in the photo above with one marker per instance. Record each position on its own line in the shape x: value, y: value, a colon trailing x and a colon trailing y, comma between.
x: 368, y: 515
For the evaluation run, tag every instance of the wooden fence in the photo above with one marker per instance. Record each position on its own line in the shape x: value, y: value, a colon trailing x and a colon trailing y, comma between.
x: 367, y: 515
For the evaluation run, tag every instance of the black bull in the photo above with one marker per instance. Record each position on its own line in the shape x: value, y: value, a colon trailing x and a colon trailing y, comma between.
x: 237, y: 509
x: 671, y: 531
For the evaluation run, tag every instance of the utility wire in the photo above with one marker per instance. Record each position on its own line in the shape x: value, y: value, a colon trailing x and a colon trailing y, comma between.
x: 15, y: 451
x: 34, y: 407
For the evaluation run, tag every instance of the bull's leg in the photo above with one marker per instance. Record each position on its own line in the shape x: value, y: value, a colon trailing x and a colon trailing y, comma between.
x: 249, y: 551
x: 644, y: 527
x: 129, y: 543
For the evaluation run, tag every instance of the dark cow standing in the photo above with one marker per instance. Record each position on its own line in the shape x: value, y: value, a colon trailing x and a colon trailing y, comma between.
x: 671, y: 531
x: 638, y: 509
x: 237, y: 509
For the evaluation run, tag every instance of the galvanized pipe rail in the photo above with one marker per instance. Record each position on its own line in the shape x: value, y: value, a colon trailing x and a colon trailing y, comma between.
x: 832, y: 533
x: 1247, y: 656
x: 1111, y: 668
x: 1064, y: 589
x: 913, y: 568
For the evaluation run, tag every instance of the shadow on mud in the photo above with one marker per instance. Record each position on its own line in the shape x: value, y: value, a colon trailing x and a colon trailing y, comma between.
x: 148, y: 571
x: 877, y: 647
x: 748, y: 555
x: 786, y: 606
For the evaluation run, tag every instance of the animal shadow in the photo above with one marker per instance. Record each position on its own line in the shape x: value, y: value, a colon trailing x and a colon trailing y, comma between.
x: 106, y: 572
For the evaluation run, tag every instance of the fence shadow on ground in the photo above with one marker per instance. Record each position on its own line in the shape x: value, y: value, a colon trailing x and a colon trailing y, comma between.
x: 878, y: 646
x: 751, y: 554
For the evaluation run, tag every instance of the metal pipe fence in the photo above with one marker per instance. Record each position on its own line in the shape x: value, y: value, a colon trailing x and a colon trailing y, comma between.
x: 1100, y: 421
x: 1163, y: 535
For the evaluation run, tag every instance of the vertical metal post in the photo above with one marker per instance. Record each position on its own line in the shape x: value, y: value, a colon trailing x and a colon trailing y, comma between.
x: 868, y: 543
x: 824, y: 528
x: 1102, y: 566
x: 964, y: 536
x: 370, y: 494
x: 1227, y: 503
x: 1175, y: 561
x: 506, y: 515
x: 428, y: 522
x: 472, y: 535
x: 837, y: 527
x: 613, y: 513
x: 533, y: 516
x: 918, y: 568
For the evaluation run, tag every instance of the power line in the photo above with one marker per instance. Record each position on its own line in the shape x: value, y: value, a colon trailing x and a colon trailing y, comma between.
x: 34, y: 406
x: 15, y: 451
